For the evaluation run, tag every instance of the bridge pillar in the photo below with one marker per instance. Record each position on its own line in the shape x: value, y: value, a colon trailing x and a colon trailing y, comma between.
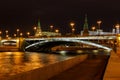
x: 20, y: 42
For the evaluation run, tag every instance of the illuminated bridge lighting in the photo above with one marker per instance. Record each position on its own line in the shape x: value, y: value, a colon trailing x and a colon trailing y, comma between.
x: 80, y: 38
x: 68, y: 40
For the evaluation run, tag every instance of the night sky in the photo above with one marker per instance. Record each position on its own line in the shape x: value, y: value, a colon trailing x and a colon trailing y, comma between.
x: 23, y: 14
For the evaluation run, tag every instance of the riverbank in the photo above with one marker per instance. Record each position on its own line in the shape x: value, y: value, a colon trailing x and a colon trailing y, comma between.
x: 91, y: 69
x: 8, y: 48
x: 113, y: 68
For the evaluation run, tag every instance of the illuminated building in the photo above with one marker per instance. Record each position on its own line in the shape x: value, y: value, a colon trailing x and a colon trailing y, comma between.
x: 38, y: 32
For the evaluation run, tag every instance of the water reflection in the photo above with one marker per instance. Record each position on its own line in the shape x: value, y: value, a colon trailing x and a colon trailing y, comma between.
x: 12, y: 63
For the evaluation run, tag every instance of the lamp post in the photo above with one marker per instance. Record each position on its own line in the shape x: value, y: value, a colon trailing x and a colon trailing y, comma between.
x: 93, y: 29
x: 57, y: 30
x: 117, y: 28
x: 73, y: 30
x: 72, y: 27
x: 28, y: 33
x: 0, y: 34
x: 51, y: 28
x: 14, y: 35
x: 18, y: 32
x: 21, y: 34
x: 35, y: 29
x: 6, y: 33
x: 99, y: 23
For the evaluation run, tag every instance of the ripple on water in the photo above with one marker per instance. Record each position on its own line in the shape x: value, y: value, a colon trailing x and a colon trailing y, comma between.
x: 12, y: 63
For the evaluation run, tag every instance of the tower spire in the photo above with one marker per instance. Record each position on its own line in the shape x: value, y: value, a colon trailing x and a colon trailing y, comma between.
x: 38, y: 30
x: 85, y: 27
x: 86, y: 23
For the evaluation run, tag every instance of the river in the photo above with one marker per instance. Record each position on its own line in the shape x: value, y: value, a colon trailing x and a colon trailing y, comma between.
x: 12, y: 63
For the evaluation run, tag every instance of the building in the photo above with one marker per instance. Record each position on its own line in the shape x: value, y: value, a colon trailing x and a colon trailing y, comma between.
x: 85, y: 28
x: 40, y: 33
x: 87, y: 32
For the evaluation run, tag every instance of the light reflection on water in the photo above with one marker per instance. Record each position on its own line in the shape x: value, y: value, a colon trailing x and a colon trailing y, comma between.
x: 12, y: 63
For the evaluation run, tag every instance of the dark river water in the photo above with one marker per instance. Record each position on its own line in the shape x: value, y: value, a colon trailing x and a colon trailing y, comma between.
x: 12, y: 63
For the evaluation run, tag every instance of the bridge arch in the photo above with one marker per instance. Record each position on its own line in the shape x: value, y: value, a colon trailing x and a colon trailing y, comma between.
x: 65, y: 40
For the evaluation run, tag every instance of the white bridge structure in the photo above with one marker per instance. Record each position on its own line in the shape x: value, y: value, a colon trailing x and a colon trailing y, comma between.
x: 38, y: 41
x: 83, y: 40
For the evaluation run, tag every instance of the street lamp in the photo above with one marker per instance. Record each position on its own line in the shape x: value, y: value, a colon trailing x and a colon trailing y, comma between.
x: 117, y: 28
x: 28, y: 33
x: 35, y: 29
x: 18, y: 32
x: 7, y: 36
x: 0, y: 33
x: 21, y: 34
x: 73, y: 30
x: 93, y: 28
x: 72, y: 24
x: 57, y: 30
x: 51, y: 28
x: 99, y: 22
x: 72, y: 27
x: 6, y: 33
x: 14, y: 35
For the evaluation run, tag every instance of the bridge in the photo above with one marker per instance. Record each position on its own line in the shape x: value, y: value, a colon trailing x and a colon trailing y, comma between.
x: 89, y: 40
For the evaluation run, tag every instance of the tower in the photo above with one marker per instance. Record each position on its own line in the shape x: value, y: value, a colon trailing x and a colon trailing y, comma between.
x: 85, y: 27
x: 38, y: 32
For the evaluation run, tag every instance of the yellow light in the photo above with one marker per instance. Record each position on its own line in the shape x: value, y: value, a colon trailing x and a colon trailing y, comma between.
x: 15, y: 35
x: 18, y: 30
x: 72, y: 24
x: 28, y: 33
x: 93, y: 28
x: 56, y: 30
x: 51, y: 26
x: 119, y: 38
x: 117, y: 26
x: 79, y: 51
x: 0, y: 32
x: 99, y: 22
x: 6, y: 31
x: 21, y: 34
x: 35, y: 28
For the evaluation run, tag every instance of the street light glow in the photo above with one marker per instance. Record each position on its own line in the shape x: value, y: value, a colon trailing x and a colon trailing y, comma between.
x: 56, y: 30
x: 35, y: 28
x: 72, y: 24
x: 117, y: 26
x: 93, y: 28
